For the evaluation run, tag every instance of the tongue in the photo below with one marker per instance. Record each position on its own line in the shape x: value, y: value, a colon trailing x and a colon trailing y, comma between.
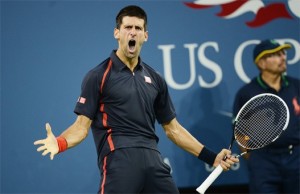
x: 131, y: 45
x: 131, y: 48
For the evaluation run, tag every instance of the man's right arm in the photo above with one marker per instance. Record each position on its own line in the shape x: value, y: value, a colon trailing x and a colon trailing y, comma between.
x: 71, y: 137
x: 78, y: 131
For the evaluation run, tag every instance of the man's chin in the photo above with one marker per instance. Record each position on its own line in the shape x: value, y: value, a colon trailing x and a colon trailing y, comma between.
x: 132, y: 54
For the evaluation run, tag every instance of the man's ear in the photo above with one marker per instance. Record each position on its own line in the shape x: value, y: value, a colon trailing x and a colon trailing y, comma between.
x: 146, y: 36
x: 116, y: 33
x: 261, y: 64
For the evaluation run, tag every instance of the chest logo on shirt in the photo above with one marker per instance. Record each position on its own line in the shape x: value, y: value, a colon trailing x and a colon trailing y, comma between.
x: 148, y: 79
x: 296, y: 106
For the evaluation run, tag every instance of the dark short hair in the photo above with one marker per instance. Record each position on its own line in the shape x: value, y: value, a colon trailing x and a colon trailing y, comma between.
x: 131, y: 10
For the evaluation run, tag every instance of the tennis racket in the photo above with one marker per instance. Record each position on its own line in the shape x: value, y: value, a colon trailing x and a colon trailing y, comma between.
x: 260, y: 121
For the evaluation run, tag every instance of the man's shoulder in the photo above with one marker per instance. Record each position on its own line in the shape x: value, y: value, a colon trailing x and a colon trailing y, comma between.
x: 293, y: 79
x: 253, y: 83
x: 148, y: 67
x: 100, y: 68
x: 152, y: 71
x: 98, y: 71
x: 249, y: 89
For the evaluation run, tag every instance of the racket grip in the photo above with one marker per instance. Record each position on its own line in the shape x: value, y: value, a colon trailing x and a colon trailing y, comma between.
x: 210, y: 179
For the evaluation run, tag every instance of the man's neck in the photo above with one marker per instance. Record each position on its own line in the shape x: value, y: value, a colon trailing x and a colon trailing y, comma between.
x: 274, y: 81
x: 131, y: 63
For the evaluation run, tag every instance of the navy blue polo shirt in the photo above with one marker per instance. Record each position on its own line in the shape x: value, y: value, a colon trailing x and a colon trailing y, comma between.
x: 289, y: 92
x: 124, y: 105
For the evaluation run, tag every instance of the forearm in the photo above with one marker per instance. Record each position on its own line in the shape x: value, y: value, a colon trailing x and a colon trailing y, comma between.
x: 182, y: 138
x: 77, y: 132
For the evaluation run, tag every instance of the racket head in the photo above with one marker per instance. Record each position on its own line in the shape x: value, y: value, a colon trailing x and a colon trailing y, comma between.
x: 260, y: 121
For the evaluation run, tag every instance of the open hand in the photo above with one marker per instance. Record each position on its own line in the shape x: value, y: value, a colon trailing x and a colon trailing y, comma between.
x: 48, y: 145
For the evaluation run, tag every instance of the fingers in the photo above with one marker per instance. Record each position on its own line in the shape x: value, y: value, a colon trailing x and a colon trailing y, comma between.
x: 52, y: 156
x: 41, y: 148
x: 227, y: 155
x: 48, y: 129
x: 225, y: 165
x: 231, y: 160
x: 45, y: 152
x: 226, y: 152
x: 228, y: 159
x: 46, y: 144
x: 38, y: 142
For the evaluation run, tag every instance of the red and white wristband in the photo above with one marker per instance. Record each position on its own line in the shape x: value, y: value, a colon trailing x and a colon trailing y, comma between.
x: 62, y: 144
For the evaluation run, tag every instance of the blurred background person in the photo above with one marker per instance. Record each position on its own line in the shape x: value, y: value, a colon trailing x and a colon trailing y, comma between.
x: 275, y: 168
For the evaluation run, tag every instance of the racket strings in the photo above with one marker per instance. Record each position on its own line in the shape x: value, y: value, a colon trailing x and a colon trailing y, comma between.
x: 260, y: 122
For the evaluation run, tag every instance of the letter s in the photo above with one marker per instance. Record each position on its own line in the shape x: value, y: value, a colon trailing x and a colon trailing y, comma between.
x: 210, y: 65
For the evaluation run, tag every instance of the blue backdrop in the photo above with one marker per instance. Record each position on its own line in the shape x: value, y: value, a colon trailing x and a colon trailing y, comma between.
x: 203, y: 51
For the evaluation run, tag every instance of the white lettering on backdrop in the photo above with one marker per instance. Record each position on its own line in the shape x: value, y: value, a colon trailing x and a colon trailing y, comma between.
x: 213, y: 66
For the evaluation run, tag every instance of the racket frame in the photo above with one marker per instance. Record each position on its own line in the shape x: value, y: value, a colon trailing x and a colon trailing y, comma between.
x: 218, y: 170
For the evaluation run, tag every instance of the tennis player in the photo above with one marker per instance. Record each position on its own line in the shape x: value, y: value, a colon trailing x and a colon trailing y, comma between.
x: 120, y: 100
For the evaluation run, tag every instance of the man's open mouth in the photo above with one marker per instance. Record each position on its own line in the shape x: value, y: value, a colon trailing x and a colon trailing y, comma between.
x: 131, y: 45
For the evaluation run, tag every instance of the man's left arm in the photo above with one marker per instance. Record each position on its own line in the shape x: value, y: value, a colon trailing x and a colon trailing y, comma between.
x: 182, y: 138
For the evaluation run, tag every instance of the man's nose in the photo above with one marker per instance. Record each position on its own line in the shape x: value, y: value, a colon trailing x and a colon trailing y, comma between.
x: 133, y: 32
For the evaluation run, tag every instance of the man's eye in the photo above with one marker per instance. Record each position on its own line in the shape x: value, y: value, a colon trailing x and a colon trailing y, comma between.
x: 272, y: 55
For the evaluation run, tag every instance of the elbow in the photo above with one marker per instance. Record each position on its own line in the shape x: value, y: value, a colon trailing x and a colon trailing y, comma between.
x: 84, y: 134
x: 172, y: 135
x: 168, y: 135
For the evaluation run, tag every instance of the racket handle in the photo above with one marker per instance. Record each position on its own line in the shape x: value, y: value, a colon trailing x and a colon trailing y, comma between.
x: 210, y: 179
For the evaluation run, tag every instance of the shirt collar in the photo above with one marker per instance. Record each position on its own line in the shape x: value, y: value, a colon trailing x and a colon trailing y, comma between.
x: 119, y: 65
x: 264, y: 85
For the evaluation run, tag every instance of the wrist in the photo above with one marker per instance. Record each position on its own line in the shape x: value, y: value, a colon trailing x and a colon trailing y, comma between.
x: 62, y: 144
x: 207, y: 156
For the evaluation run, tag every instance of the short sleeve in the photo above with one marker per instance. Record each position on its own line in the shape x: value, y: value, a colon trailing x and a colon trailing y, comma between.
x: 164, y: 109
x: 88, y: 101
